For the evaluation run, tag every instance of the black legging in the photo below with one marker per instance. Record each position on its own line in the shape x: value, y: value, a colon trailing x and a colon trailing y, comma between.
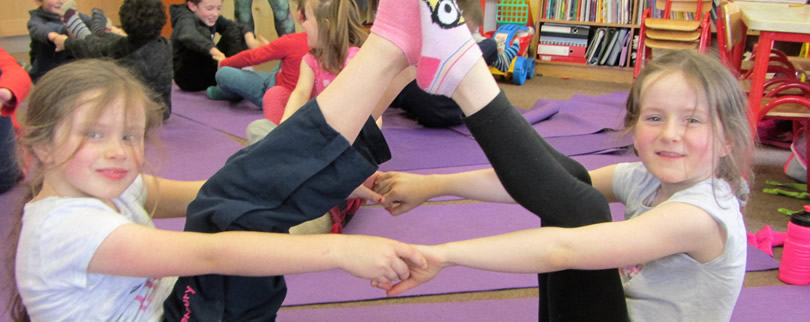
x: 558, y: 190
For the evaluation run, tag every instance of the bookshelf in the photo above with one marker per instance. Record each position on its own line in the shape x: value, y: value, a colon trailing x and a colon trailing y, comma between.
x: 610, y: 14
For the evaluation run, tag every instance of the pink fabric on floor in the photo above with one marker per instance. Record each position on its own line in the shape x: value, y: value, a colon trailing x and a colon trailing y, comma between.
x: 766, y: 239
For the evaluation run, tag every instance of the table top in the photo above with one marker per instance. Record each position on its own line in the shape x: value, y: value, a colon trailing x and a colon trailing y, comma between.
x: 781, y: 17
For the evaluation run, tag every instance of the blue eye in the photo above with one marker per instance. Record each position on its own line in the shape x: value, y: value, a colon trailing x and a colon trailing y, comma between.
x: 130, y: 138
x: 93, y: 135
x: 654, y: 118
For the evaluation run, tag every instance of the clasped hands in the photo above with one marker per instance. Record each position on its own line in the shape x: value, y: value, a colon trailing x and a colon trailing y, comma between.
x: 410, y: 265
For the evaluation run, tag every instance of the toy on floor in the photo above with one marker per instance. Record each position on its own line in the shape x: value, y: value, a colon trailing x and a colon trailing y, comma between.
x: 513, y: 20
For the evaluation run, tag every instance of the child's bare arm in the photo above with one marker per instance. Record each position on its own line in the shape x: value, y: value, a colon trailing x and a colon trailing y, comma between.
x: 411, y: 190
x: 216, y: 54
x: 665, y: 230
x: 253, y: 42
x: 302, y: 91
x: 249, y: 254
x: 169, y: 198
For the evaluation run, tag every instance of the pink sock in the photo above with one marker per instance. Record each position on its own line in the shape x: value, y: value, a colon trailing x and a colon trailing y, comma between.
x: 448, y: 49
x: 397, y: 21
x: 442, y: 47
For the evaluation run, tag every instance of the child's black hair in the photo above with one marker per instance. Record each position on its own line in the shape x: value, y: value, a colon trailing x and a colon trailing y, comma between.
x: 142, y: 20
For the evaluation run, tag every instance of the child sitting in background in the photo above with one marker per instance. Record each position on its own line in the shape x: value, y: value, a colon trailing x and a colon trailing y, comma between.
x: 234, y: 83
x: 334, y: 36
x: 195, y: 54
x: 44, y: 25
x: 143, y: 50
x: 14, y: 86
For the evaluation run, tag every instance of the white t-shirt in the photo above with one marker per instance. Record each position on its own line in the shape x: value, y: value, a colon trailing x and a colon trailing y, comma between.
x: 59, y: 238
x: 677, y: 287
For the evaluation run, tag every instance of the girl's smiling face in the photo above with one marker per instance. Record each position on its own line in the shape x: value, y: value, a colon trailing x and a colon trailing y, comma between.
x: 207, y: 10
x: 96, y: 157
x: 674, y: 135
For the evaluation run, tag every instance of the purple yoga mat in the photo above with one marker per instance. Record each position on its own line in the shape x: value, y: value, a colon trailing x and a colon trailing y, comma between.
x: 395, y: 118
x: 597, y: 143
x: 521, y: 309
x: 231, y: 118
x: 190, y: 151
x: 773, y: 303
x: 758, y: 260
x: 430, y: 224
x: 579, y: 115
x: 430, y: 148
x: 413, y: 149
x: 755, y: 304
x: 590, y: 162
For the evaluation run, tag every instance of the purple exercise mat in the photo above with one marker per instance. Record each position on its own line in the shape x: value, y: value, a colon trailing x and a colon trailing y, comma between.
x: 428, y: 224
x: 785, y: 303
x: 231, y: 118
x: 755, y: 304
x: 520, y: 309
x: 395, y: 118
x: 413, y: 149
x: 577, y: 116
x: 190, y: 151
x: 430, y: 148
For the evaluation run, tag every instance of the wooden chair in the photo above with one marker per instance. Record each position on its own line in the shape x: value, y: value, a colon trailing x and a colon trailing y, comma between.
x: 667, y: 33
x: 786, y: 98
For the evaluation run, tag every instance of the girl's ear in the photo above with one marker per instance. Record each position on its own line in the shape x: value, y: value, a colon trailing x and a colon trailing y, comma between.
x: 191, y: 6
x: 43, y: 153
x: 726, y: 145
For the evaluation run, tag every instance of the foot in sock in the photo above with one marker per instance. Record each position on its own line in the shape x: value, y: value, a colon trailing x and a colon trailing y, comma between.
x: 215, y: 93
x: 73, y: 22
x: 99, y: 24
x: 443, y: 51
x: 448, y: 49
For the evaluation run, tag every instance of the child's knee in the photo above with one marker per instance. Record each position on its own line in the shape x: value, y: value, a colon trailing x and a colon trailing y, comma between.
x: 225, y: 74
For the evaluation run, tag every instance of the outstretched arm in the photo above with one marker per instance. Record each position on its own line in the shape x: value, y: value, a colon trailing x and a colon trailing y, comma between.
x: 250, y: 254
x: 169, y: 198
x: 666, y: 230
x: 411, y: 190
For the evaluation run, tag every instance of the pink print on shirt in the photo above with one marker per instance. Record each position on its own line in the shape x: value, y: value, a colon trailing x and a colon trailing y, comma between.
x: 628, y: 272
x: 187, y: 303
x: 145, y: 300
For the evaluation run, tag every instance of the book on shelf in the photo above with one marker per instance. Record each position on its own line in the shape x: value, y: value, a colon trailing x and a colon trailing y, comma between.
x: 564, y: 59
x: 598, y: 11
x: 594, y: 45
x: 561, y: 50
x: 554, y: 40
x: 560, y: 30
x: 625, y: 48
x: 610, y: 42
x: 616, y: 48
